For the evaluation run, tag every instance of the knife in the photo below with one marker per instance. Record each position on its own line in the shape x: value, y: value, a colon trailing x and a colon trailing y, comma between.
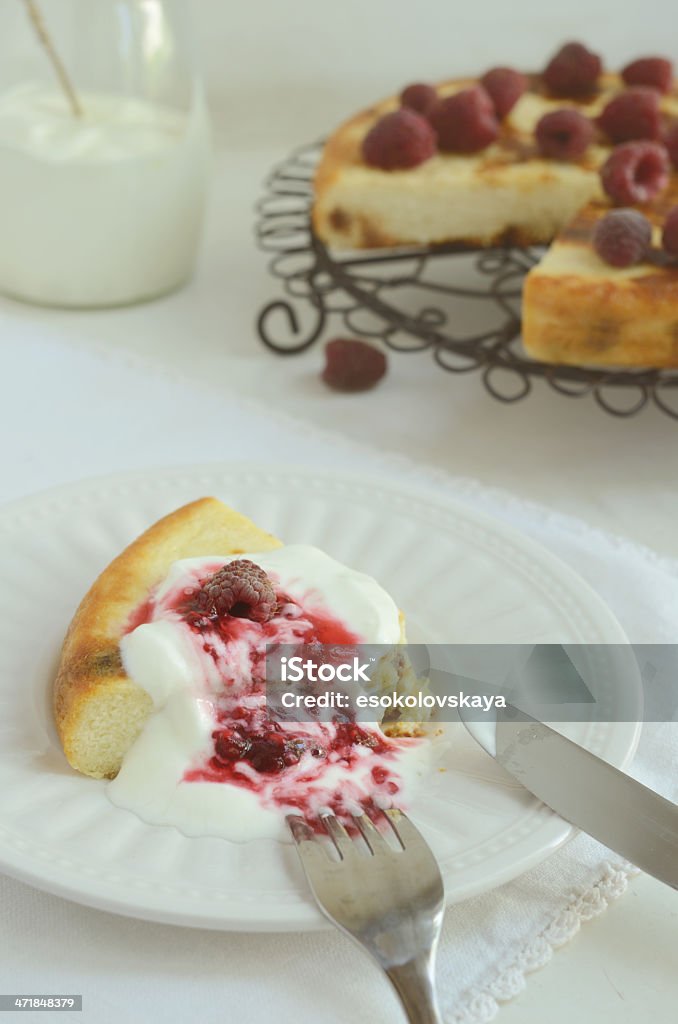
x: 626, y: 816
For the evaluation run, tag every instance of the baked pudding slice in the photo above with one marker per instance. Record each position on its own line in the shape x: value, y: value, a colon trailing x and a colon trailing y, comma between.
x: 99, y: 711
x: 164, y: 684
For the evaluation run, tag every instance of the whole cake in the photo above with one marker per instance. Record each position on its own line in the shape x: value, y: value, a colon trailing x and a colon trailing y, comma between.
x: 518, y: 159
x: 162, y: 682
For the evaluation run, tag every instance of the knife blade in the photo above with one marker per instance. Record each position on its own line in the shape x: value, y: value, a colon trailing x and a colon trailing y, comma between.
x: 620, y: 812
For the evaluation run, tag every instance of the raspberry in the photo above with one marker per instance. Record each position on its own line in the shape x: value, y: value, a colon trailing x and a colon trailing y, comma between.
x: 466, y: 121
x: 241, y: 589
x: 419, y: 97
x: 622, y: 237
x: 267, y: 753
x: 670, y: 233
x: 270, y: 752
x: 564, y: 134
x: 671, y: 143
x: 573, y: 71
x: 505, y: 87
x: 633, y: 114
x: 230, y: 745
x: 352, y: 365
x: 657, y: 72
x: 635, y: 172
x: 399, y: 140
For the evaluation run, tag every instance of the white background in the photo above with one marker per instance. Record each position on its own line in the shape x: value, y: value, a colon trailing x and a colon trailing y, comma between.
x: 322, y: 56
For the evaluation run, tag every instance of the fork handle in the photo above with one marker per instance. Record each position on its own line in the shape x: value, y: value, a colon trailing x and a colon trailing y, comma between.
x: 415, y: 985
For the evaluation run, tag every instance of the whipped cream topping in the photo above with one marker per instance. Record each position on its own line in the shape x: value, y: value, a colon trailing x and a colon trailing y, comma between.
x: 40, y: 122
x: 209, y: 759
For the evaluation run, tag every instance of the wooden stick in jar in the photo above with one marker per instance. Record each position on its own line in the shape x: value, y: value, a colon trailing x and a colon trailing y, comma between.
x: 43, y: 35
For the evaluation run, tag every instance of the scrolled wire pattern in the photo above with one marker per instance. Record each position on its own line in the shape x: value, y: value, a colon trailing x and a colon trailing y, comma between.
x: 405, y: 300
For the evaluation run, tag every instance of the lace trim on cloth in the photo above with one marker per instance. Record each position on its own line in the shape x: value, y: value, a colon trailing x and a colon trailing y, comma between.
x: 482, y: 1003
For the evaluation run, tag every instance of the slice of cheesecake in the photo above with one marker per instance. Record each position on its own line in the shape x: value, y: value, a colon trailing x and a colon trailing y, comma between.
x: 99, y: 711
x: 579, y: 310
x: 159, y: 618
x: 164, y: 683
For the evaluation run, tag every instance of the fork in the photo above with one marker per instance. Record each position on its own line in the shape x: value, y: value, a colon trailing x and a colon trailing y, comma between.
x: 390, y: 901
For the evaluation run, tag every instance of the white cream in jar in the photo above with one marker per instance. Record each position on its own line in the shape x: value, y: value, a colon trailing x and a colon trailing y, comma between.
x: 100, y: 210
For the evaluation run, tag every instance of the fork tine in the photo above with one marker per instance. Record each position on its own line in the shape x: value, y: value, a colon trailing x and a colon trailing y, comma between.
x: 371, y: 834
x: 405, y: 831
x: 311, y: 853
x: 338, y: 835
x: 412, y: 841
x: 300, y: 830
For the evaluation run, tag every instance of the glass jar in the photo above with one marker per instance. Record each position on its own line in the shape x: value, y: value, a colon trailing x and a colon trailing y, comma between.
x: 104, y: 151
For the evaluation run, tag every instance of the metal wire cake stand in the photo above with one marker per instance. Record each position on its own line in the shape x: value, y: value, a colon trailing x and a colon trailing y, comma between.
x: 461, y: 304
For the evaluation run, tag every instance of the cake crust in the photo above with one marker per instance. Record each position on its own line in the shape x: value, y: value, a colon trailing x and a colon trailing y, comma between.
x: 98, y: 710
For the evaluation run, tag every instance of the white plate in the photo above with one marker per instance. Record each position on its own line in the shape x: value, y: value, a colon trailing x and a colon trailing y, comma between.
x: 459, y: 576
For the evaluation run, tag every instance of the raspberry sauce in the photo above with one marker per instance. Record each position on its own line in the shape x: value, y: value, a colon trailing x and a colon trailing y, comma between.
x: 301, y: 767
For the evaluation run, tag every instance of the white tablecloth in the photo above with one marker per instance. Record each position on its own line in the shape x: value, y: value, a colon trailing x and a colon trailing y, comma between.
x: 565, y: 453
